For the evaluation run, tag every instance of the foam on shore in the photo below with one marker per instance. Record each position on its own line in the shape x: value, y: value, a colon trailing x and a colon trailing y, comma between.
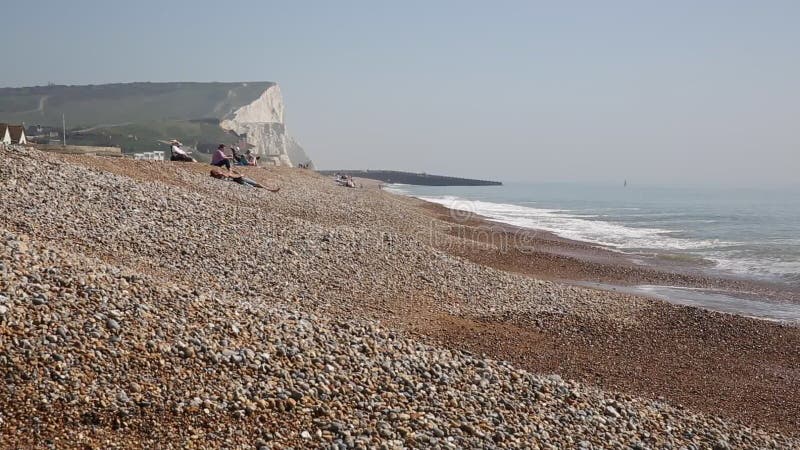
x: 727, y: 256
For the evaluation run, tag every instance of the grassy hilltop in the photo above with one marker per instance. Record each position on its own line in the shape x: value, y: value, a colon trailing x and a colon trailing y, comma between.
x: 132, y: 115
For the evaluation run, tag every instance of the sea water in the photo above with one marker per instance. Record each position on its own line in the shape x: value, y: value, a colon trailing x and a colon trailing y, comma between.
x: 753, y: 233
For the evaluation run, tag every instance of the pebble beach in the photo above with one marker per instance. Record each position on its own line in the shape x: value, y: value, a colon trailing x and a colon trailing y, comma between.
x: 147, y: 305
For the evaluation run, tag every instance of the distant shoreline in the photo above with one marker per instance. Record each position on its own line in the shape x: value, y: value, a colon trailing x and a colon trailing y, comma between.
x: 418, y: 179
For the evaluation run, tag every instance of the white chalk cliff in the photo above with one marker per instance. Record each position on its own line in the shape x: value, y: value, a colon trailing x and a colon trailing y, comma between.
x: 262, y: 122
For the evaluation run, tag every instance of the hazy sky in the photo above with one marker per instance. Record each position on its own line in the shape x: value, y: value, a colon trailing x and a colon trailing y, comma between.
x: 678, y: 92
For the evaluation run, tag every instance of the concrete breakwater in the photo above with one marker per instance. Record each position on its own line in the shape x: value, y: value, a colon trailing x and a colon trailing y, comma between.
x: 421, y: 179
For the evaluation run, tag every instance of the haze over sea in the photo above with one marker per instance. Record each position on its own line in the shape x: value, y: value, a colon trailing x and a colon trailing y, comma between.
x: 753, y: 233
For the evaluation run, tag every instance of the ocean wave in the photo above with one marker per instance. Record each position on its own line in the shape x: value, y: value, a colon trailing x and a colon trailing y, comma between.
x: 397, y: 188
x: 569, y: 225
x: 683, y: 236
x: 760, y: 266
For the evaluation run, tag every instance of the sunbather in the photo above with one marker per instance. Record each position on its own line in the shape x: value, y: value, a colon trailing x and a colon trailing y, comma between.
x: 239, y: 178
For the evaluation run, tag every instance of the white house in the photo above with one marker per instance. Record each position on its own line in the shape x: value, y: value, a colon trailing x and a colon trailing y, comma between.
x: 149, y: 156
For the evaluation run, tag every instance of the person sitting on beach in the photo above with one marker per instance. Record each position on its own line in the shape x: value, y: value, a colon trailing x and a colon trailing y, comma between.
x: 252, y: 160
x: 244, y: 159
x: 219, y: 158
x: 236, y: 177
x: 345, y: 180
x: 177, y: 153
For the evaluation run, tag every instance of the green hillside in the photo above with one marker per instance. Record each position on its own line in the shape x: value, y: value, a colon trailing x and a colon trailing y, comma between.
x: 132, y: 115
x: 86, y: 106
x: 203, y: 135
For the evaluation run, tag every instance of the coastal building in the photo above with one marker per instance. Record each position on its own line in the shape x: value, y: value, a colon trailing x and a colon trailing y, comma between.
x: 149, y: 156
x: 42, y: 134
x: 13, y: 134
x: 5, y: 136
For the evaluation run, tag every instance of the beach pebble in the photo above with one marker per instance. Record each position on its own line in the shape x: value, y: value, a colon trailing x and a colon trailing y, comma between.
x: 112, y: 324
x: 254, y: 319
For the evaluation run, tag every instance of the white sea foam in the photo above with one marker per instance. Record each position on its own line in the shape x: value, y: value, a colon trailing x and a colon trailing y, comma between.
x: 724, y: 302
x: 763, y: 266
x: 574, y: 226
x: 397, y: 188
x: 672, y: 232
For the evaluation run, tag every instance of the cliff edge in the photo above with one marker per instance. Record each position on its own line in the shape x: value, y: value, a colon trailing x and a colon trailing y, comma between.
x: 262, y: 124
x: 136, y: 116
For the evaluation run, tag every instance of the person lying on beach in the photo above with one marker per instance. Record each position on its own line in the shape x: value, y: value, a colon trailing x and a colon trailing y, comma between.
x: 236, y: 177
x: 178, y: 153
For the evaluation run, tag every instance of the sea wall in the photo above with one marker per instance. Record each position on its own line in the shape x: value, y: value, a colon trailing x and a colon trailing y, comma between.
x: 80, y: 150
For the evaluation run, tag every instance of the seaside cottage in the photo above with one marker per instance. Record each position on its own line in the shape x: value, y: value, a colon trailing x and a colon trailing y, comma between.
x: 5, y: 136
x: 17, y: 133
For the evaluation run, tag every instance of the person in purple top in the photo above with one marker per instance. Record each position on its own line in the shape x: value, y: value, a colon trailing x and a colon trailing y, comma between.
x: 219, y: 158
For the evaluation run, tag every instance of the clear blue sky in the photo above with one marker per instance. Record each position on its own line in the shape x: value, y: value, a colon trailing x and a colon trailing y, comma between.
x: 678, y: 92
